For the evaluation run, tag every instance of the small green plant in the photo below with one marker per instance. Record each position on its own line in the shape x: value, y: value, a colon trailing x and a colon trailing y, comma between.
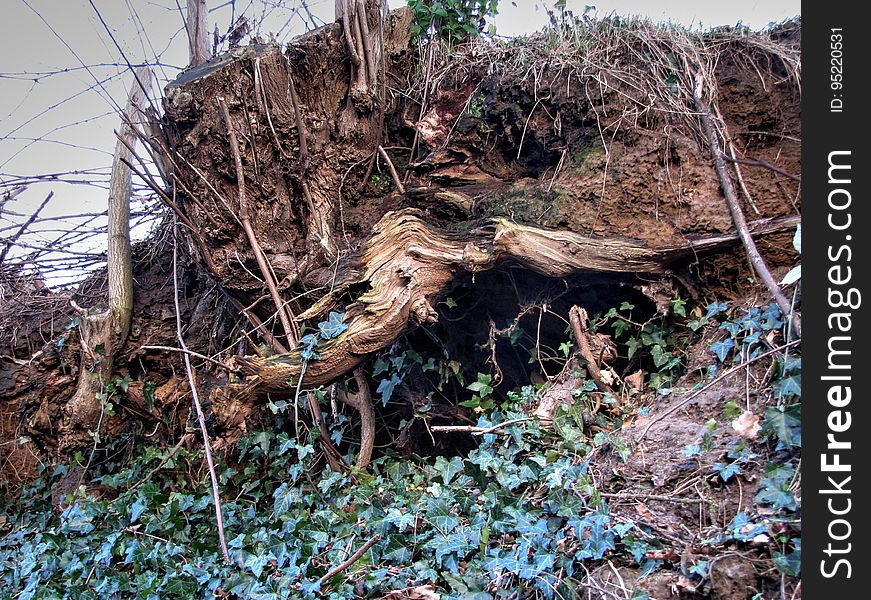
x: 451, y: 20
x: 657, y: 344
x: 481, y: 400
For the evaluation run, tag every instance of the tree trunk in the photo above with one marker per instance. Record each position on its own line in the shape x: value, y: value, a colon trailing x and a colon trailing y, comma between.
x: 197, y: 30
x: 104, y: 331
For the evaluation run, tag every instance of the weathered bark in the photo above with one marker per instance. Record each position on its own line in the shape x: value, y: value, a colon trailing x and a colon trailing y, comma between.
x: 408, y: 267
x: 104, y: 331
x: 197, y: 30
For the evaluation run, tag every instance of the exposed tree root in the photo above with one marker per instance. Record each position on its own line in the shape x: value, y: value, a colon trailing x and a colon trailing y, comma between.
x: 408, y: 265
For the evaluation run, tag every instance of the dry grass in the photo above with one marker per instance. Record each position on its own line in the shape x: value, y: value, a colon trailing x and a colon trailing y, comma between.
x: 651, y: 67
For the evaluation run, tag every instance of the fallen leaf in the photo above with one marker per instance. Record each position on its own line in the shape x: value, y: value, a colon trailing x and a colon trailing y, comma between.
x: 636, y: 380
x: 643, y: 511
x: 762, y: 538
x: 747, y: 425
x: 685, y: 583
x: 608, y: 376
x: 421, y: 592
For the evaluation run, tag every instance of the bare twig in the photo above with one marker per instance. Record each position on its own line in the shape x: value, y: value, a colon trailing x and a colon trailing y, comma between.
x: 477, y: 430
x: 368, y: 52
x: 660, y: 497
x: 350, y: 561
x: 201, y: 419
x: 334, y: 457
x: 399, y: 187
x: 291, y: 328
x: 712, y: 383
x: 738, y: 219
x: 10, y: 242
x: 191, y: 353
x: 579, y: 321
x: 758, y: 162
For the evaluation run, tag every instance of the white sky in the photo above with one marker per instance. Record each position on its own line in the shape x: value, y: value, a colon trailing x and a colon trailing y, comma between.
x: 43, y: 36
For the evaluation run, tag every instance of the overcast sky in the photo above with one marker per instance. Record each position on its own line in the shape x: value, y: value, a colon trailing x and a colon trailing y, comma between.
x: 54, y: 123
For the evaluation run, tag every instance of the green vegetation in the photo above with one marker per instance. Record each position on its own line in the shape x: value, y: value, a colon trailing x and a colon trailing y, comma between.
x: 518, y: 515
x: 451, y: 20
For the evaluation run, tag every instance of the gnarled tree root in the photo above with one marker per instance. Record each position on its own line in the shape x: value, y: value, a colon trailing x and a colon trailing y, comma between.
x: 408, y: 265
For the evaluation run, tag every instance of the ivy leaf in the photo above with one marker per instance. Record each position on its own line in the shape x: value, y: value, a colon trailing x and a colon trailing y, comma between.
x: 700, y: 568
x: 790, y: 564
x: 256, y: 563
x: 456, y: 544
x: 448, y: 468
x: 632, y: 347
x: 775, y: 488
x: 660, y: 357
x: 440, y: 515
x: 716, y: 308
x: 788, y: 386
x: 309, y: 340
x: 619, y: 327
x: 386, y: 387
x: 722, y: 348
x: 137, y: 508
x: 285, y: 498
x: 785, y: 423
x: 692, y: 450
x: 181, y: 588
x: 482, y: 386
x: 333, y: 326
x: 725, y: 471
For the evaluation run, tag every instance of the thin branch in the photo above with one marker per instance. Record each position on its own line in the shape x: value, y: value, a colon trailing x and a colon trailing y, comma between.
x: 579, y: 321
x: 728, y: 188
x: 10, y: 242
x: 350, y: 561
x: 349, y: 39
x: 192, y: 353
x: 712, y: 383
x: 659, y: 497
x: 200, y: 416
x: 368, y: 52
x: 291, y: 329
x: 477, y: 430
x: 758, y: 162
x: 400, y: 188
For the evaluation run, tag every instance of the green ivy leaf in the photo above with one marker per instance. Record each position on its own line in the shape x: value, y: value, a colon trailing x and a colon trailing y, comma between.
x: 790, y: 564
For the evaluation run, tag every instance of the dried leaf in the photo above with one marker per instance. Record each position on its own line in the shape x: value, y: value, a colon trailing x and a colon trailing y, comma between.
x: 421, y: 592
x: 747, y: 425
x: 636, y: 380
x: 643, y: 511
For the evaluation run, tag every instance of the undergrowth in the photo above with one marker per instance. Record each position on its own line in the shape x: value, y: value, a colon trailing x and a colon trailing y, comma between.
x: 520, y: 515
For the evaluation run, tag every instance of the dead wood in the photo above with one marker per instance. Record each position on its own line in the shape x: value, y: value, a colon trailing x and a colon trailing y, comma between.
x: 580, y: 323
x: 408, y: 265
